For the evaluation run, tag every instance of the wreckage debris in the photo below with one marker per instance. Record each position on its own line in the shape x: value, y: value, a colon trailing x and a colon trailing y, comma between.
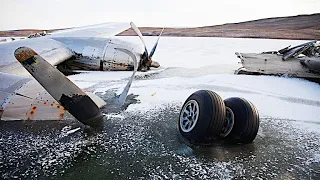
x: 302, y: 61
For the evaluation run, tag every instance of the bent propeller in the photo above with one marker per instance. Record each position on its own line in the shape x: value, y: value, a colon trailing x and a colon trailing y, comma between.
x: 146, y: 61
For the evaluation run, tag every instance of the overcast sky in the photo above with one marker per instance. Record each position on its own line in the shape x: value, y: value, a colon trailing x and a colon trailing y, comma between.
x: 43, y: 14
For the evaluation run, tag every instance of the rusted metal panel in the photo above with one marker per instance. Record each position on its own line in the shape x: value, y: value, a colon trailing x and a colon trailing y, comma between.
x: 24, y: 98
x: 44, y: 107
x: 32, y: 102
x: 20, y: 101
x: 28, y: 102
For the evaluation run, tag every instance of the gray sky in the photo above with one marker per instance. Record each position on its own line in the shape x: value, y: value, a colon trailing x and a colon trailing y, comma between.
x: 42, y: 14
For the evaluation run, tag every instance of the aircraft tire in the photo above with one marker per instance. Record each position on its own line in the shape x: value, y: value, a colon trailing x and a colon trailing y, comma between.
x: 246, y: 120
x: 202, y: 116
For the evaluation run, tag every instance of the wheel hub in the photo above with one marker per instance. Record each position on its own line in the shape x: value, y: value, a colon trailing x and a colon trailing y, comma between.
x: 189, y: 116
x: 228, y: 123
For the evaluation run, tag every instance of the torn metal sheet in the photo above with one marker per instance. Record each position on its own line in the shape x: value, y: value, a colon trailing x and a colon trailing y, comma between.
x: 300, y: 61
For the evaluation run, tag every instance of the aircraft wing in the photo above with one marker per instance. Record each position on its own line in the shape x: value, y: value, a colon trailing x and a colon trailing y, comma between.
x: 101, y: 30
x: 54, y: 52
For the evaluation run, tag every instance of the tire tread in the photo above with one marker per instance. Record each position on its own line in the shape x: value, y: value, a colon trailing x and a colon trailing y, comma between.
x: 247, y: 119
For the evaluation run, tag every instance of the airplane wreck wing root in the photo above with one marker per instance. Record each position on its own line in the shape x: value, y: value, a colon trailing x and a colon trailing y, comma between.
x: 70, y: 96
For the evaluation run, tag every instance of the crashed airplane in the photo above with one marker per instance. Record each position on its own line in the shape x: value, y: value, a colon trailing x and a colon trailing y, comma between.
x: 302, y: 61
x: 78, y: 49
x: 50, y: 95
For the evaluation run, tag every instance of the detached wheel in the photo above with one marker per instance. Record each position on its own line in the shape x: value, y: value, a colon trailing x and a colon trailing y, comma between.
x: 201, y: 117
x: 242, y: 121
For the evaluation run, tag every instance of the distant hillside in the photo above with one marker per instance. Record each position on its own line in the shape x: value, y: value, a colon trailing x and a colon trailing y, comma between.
x: 24, y: 32
x: 291, y: 27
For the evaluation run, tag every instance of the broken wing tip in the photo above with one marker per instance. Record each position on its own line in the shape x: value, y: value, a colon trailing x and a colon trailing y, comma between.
x: 24, y: 53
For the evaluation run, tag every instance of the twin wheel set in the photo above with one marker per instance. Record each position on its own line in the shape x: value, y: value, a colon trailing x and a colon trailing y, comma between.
x: 205, y: 117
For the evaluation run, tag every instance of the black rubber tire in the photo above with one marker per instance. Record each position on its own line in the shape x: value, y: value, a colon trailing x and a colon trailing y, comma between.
x: 246, y: 120
x: 211, y: 117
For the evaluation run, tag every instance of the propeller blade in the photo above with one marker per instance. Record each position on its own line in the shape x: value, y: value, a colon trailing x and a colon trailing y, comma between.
x: 155, y: 45
x: 135, y: 28
x: 123, y: 95
x: 69, y: 95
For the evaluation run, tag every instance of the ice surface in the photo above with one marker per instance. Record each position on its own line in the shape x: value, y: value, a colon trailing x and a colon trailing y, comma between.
x: 279, y: 97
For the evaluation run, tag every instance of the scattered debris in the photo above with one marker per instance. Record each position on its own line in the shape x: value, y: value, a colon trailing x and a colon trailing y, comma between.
x: 301, y: 61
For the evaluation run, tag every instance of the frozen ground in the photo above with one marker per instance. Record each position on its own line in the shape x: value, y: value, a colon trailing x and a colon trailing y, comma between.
x: 143, y: 141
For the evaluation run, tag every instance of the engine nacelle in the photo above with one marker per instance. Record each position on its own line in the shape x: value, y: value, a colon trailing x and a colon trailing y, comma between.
x: 99, y: 54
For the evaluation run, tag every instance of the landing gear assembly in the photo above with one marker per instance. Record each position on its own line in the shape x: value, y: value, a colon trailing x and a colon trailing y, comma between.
x: 205, y: 117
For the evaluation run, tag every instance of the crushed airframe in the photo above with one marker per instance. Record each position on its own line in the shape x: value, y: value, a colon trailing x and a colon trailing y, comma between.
x: 302, y: 61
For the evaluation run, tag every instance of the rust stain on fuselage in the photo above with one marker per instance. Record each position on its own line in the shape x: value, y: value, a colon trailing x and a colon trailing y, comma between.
x: 32, y: 112
x: 61, y: 116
